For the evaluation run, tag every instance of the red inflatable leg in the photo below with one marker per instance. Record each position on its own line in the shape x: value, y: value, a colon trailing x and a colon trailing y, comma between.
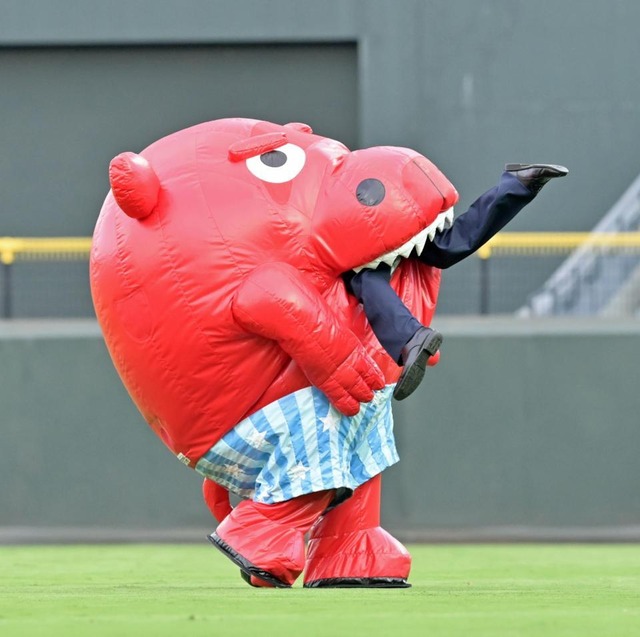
x: 348, y: 548
x: 267, y: 540
x: 216, y: 497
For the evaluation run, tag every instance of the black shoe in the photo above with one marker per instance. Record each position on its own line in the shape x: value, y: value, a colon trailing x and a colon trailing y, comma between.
x: 534, y: 176
x: 247, y: 569
x: 415, y: 354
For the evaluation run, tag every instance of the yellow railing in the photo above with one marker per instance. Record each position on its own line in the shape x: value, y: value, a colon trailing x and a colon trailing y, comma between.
x: 541, y: 243
x: 44, y: 248
x: 505, y: 243
x: 523, y: 244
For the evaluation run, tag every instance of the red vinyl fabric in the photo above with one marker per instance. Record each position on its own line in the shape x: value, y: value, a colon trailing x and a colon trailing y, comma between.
x: 216, y: 272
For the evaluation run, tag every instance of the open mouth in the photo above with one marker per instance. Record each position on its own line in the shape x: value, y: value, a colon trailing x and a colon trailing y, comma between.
x: 417, y: 243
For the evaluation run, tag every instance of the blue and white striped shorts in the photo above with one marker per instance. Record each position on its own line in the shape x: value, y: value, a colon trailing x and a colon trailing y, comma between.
x: 301, y: 444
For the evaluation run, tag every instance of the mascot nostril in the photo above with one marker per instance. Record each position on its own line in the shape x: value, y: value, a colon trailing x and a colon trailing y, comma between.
x: 370, y: 192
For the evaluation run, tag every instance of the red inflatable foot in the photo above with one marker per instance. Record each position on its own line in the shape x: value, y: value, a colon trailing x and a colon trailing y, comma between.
x: 349, y: 549
x: 267, y: 540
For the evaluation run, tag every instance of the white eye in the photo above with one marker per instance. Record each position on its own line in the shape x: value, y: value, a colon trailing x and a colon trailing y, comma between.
x: 279, y: 165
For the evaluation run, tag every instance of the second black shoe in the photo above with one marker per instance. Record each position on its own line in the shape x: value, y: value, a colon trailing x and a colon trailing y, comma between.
x: 415, y: 354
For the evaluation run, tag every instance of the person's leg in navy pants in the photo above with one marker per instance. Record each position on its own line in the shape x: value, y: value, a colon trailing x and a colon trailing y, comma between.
x: 390, y: 319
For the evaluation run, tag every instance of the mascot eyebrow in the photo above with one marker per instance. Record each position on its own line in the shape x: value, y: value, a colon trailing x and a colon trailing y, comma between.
x: 252, y: 146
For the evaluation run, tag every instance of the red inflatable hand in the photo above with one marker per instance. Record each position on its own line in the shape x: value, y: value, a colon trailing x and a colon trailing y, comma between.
x: 276, y: 302
x: 352, y: 382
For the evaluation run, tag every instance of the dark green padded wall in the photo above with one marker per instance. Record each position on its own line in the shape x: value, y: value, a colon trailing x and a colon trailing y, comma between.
x: 66, y: 111
x: 525, y: 429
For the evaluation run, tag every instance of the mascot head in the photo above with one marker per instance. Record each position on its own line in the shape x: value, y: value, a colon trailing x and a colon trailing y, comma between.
x: 265, y: 189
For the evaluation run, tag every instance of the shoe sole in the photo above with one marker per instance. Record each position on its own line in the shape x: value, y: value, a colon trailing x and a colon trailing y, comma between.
x: 412, y: 377
x: 246, y: 567
x: 560, y: 170
x: 359, y: 582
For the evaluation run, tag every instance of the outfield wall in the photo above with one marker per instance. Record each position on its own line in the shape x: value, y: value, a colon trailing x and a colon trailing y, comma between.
x: 526, y: 430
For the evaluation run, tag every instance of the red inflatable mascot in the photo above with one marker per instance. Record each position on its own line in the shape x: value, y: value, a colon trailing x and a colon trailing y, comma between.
x: 216, y: 274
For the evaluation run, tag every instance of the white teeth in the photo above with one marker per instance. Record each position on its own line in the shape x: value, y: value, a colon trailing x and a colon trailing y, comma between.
x: 443, y: 220
x: 405, y: 250
x: 420, y: 240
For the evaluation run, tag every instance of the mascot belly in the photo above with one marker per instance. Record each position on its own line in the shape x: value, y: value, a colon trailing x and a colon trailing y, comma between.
x: 216, y: 274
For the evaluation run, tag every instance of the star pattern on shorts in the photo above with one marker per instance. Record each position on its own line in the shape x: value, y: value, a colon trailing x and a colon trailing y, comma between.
x: 331, y: 422
x: 298, y: 471
x: 234, y: 471
x: 257, y: 439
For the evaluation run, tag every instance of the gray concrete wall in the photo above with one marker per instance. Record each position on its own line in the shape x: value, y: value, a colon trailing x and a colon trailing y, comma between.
x: 471, y: 83
x: 526, y: 430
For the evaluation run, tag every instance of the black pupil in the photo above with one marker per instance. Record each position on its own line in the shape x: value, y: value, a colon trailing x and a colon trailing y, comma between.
x: 274, y: 158
x: 370, y: 192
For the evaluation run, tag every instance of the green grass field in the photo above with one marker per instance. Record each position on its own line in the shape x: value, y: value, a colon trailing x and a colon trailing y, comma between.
x: 193, y: 590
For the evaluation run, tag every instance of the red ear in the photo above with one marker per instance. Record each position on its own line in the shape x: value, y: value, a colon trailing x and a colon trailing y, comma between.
x: 135, y: 184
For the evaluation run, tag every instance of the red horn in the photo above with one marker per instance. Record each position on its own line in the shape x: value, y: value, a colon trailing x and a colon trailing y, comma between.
x: 135, y: 184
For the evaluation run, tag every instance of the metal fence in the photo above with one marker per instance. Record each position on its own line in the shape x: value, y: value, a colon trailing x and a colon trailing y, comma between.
x: 599, y: 274
x: 45, y: 277
x: 48, y: 277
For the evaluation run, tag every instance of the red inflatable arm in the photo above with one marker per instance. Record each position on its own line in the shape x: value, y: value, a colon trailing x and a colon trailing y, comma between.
x: 277, y: 303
